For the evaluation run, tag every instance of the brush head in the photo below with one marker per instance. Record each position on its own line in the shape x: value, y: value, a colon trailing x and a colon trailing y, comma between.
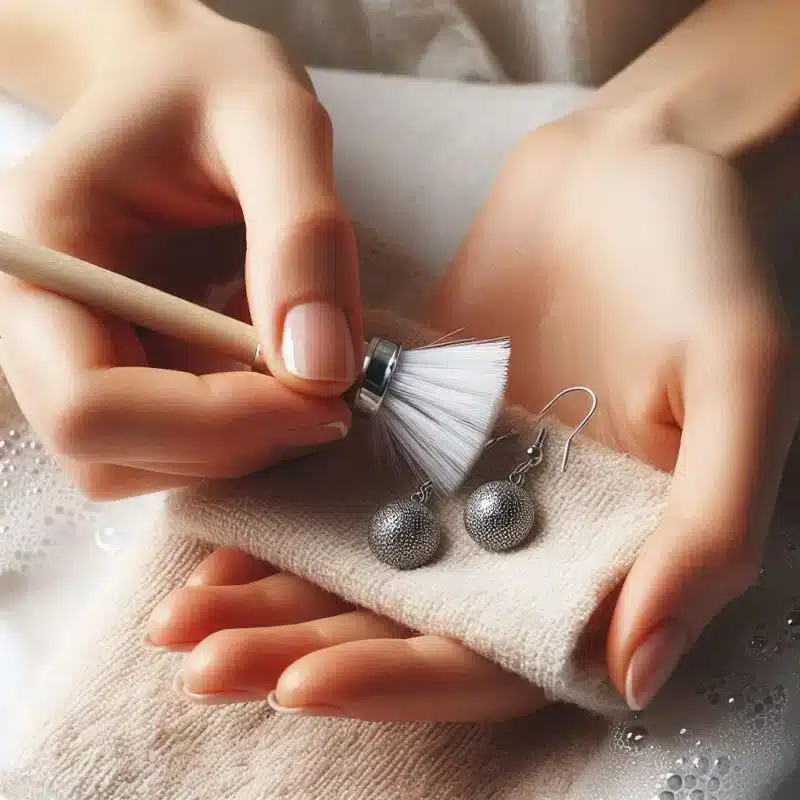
x: 435, y: 407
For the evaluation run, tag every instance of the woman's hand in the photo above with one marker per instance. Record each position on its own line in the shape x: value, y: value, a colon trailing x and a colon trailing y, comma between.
x: 618, y: 260
x: 253, y: 633
x: 625, y: 262
x: 186, y: 121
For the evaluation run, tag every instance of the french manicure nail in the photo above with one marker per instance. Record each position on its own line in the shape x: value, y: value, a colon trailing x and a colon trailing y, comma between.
x: 185, y: 647
x: 317, y: 345
x: 304, y: 441
x: 654, y: 662
x: 301, y: 711
x: 218, y: 698
x: 315, y: 435
x: 339, y: 429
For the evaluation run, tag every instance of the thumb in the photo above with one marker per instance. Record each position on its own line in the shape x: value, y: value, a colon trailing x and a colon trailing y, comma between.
x: 301, y: 269
x: 707, y: 551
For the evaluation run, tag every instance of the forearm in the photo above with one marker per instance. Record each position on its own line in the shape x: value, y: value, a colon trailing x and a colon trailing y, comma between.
x: 727, y: 80
x: 42, y: 51
x: 50, y: 50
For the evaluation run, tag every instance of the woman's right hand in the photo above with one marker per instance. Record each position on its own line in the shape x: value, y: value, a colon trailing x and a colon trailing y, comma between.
x: 189, y: 121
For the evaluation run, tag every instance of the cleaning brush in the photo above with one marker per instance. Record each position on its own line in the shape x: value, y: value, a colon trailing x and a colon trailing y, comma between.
x: 434, y: 407
x: 439, y: 403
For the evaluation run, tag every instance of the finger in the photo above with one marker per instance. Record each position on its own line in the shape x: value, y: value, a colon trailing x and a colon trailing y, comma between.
x: 301, y: 266
x: 164, y: 352
x: 229, y: 566
x: 188, y: 615
x: 226, y: 469
x: 707, y: 551
x: 401, y: 680
x: 107, y: 482
x: 98, y: 412
x: 244, y: 665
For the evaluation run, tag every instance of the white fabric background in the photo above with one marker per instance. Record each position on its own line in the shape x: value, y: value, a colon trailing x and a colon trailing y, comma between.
x: 421, y: 198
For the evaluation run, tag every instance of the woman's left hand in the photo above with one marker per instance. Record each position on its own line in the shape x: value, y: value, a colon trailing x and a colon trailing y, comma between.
x: 620, y: 259
x: 254, y: 633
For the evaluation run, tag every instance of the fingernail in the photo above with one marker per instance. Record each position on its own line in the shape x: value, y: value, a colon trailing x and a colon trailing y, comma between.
x: 654, y: 662
x: 185, y: 647
x: 317, y: 345
x: 339, y: 429
x: 314, y: 435
x: 217, y: 698
x: 302, y: 711
x: 305, y: 441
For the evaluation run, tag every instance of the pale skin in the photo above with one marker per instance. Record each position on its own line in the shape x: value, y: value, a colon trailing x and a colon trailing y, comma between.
x: 675, y: 323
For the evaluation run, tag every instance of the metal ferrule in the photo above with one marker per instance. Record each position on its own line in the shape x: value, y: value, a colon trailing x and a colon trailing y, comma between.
x: 376, y: 375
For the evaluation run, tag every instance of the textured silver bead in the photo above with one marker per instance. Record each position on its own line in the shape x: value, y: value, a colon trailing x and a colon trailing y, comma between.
x: 499, y: 516
x: 404, y: 534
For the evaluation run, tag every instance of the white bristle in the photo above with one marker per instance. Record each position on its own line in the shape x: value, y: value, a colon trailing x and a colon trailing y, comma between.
x: 441, y: 407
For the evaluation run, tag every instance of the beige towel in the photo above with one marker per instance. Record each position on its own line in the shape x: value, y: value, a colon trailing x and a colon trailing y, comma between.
x: 108, y: 725
x: 118, y: 732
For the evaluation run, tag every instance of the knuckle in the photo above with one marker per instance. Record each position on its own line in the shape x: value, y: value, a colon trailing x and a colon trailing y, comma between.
x: 303, y: 105
x: 744, y: 570
x: 728, y: 546
x: 70, y: 430
x: 317, y: 116
x: 765, y: 347
x: 320, y: 226
x: 95, y: 482
x: 738, y: 555
x: 182, y: 601
x: 236, y: 648
x: 324, y: 220
x: 24, y: 204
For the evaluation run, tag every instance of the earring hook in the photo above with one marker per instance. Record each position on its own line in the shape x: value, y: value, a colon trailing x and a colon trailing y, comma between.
x: 576, y: 431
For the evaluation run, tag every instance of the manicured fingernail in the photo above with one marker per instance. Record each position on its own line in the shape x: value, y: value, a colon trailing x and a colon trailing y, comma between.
x: 217, y: 698
x: 315, y: 435
x: 654, y: 662
x: 317, y: 345
x: 184, y: 647
x: 302, y: 711
x: 305, y: 441
x: 339, y: 429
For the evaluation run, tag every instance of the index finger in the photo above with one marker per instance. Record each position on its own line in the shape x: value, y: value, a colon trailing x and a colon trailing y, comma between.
x: 303, y: 287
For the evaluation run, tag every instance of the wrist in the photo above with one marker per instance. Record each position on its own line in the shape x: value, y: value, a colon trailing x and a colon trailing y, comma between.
x: 725, y: 81
x: 81, y: 39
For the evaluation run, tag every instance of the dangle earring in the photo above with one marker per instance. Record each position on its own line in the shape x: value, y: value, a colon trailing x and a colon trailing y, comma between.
x: 499, y: 515
x: 405, y: 534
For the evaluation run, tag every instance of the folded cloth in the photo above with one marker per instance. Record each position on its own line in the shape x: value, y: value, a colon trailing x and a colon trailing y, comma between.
x: 526, y: 610
x: 107, y: 725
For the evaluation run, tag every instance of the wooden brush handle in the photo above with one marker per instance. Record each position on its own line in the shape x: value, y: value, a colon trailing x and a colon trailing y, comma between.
x: 130, y: 300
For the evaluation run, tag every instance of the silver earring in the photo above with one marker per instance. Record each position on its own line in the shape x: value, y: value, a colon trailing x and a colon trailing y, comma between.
x: 499, y: 515
x: 405, y: 534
